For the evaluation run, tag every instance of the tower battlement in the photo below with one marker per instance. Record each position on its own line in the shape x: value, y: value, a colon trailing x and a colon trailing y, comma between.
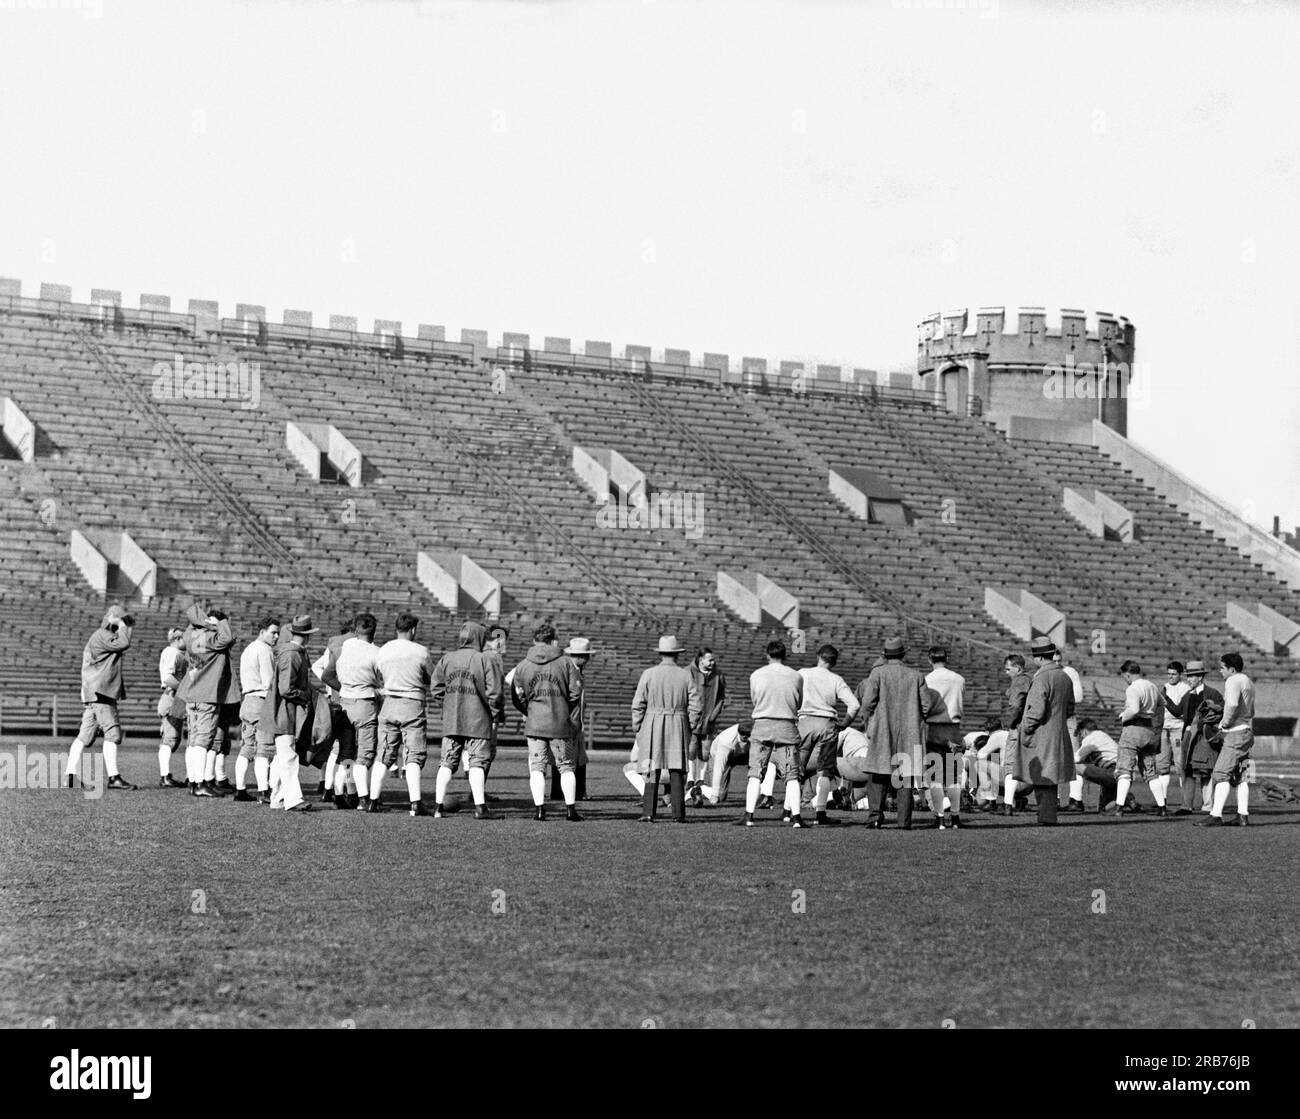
x: 1008, y: 361
x: 1029, y: 337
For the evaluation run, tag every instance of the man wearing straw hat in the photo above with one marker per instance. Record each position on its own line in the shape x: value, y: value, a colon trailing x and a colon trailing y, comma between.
x: 579, y: 651
x: 286, y: 714
x: 665, y: 714
x: 1045, y: 747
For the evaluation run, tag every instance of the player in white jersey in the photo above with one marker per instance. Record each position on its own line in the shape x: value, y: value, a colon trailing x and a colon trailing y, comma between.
x: 1095, y: 759
x: 819, y: 723
x: 1139, y: 740
x: 360, y: 693
x: 171, y: 711
x: 256, y: 668
x: 1236, y: 727
x: 729, y: 751
x: 406, y: 671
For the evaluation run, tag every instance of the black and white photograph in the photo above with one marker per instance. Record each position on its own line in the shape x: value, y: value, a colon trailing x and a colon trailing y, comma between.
x: 787, y: 510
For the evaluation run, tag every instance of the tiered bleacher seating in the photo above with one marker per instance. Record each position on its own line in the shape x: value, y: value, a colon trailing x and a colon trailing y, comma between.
x: 475, y: 456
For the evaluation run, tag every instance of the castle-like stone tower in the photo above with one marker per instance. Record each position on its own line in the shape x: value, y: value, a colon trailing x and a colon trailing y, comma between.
x: 1054, y: 381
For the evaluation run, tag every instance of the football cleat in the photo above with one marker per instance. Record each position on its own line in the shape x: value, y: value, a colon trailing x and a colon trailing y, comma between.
x: 243, y: 796
x: 117, y: 781
x: 481, y: 812
x: 539, y: 813
x: 170, y: 782
x: 571, y: 814
x: 418, y: 809
x: 301, y: 806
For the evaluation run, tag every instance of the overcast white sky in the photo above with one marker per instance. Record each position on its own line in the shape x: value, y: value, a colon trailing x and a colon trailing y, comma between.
x: 784, y: 180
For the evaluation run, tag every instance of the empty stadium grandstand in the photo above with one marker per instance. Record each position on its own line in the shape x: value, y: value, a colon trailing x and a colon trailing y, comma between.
x: 163, y: 458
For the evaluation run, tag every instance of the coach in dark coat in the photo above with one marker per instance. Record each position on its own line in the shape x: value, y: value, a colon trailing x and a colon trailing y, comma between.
x: 1200, y: 707
x: 1045, y: 750
x: 893, y: 715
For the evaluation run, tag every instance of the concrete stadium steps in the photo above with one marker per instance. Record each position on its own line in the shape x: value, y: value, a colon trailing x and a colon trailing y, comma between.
x: 475, y: 456
x: 1184, y: 569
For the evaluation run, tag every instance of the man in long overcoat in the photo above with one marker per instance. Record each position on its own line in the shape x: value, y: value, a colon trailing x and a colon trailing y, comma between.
x: 893, y: 706
x: 665, y: 713
x: 1045, y: 748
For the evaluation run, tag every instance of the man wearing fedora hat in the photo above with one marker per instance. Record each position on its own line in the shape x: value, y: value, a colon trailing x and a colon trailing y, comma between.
x: 467, y: 685
x: 1045, y: 747
x: 665, y: 714
x: 1013, y: 711
x: 894, y: 707
x: 547, y: 687
x: 1200, y: 707
x: 101, y: 689
x: 286, y: 714
x: 579, y: 651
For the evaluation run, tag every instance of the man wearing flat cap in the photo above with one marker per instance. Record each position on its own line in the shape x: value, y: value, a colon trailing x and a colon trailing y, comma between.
x: 665, y: 714
x: 1045, y: 747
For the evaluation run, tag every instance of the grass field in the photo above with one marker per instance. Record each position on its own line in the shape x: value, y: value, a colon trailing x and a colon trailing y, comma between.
x: 335, y: 918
